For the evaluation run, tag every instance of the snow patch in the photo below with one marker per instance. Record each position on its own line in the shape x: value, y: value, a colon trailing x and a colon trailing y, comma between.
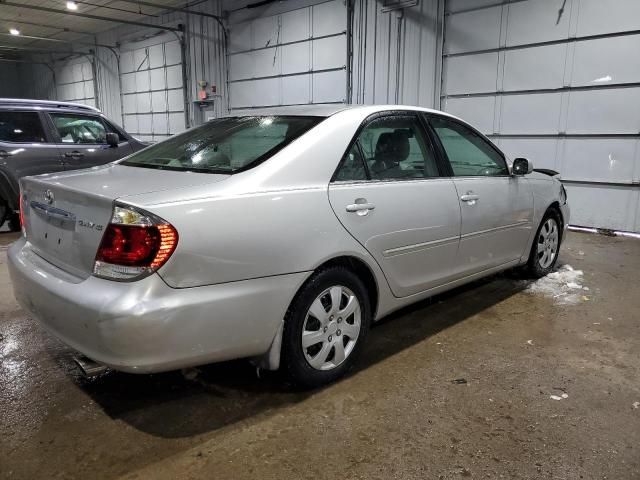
x: 561, y: 286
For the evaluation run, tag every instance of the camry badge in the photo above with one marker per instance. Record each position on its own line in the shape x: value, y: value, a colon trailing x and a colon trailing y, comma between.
x: 48, y: 196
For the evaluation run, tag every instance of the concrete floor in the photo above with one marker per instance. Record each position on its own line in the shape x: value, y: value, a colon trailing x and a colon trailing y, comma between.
x: 400, y: 415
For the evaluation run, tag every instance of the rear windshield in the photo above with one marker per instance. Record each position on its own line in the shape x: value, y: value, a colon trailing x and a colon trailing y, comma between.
x: 225, y: 145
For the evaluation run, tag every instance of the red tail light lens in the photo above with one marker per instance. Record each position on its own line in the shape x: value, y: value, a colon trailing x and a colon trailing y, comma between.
x: 22, y: 207
x: 134, y: 245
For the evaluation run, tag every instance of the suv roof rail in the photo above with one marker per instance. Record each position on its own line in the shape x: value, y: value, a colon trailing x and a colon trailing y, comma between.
x: 45, y: 103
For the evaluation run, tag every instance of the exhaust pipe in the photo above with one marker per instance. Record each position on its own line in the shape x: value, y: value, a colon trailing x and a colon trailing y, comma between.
x: 88, y: 367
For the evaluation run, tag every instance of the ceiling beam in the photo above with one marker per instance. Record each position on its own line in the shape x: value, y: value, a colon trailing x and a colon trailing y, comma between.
x: 52, y: 27
x: 172, y: 9
x: 46, y: 39
x: 88, y: 15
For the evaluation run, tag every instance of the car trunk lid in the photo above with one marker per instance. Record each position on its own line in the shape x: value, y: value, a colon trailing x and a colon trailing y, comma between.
x: 65, y: 215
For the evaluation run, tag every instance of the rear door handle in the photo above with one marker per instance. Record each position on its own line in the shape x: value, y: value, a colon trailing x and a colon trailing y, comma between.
x: 74, y: 154
x: 4, y: 154
x: 469, y: 197
x: 360, y: 208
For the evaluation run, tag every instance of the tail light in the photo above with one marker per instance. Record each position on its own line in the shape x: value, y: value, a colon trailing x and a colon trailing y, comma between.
x: 135, y: 244
x: 22, y: 201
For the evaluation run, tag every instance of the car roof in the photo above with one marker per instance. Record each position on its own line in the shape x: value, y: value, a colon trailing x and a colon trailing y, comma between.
x: 46, y: 104
x: 328, y: 110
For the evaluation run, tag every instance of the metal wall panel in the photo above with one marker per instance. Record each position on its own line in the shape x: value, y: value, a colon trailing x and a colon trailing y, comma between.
x: 610, y: 111
x: 541, y: 151
x: 290, y: 57
x: 396, y: 54
x: 471, y: 31
x: 613, y: 160
x: 537, y: 21
x: 533, y: 68
x: 567, y: 102
x: 599, y: 16
x: 150, y: 70
x: 74, y: 81
x: 530, y: 113
x: 478, y: 111
x: 606, y: 61
x: 472, y: 73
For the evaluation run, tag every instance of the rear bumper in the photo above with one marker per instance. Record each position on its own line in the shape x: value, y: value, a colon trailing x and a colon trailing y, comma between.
x: 146, y: 326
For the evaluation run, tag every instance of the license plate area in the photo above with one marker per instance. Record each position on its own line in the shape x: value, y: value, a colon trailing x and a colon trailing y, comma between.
x: 52, y: 229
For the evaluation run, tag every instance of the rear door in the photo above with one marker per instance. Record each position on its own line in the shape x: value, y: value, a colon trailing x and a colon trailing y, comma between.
x: 25, y: 149
x: 389, y: 193
x: 496, y: 207
x: 81, y: 140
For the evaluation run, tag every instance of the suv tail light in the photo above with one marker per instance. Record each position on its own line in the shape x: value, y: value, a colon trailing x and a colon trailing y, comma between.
x: 135, y: 244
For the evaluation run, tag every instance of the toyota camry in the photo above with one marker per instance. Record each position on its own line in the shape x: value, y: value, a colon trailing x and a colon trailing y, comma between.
x: 278, y: 237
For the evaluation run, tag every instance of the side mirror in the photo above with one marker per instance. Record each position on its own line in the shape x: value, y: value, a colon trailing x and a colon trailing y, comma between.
x: 521, y: 166
x: 113, y: 139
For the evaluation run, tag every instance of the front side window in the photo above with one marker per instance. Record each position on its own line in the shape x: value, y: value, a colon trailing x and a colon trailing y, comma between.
x: 225, y: 145
x: 77, y: 129
x: 469, y: 154
x: 394, y: 147
x: 21, y: 127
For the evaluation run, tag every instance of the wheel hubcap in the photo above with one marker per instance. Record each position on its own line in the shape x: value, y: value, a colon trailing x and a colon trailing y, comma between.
x: 548, y: 243
x: 331, y: 328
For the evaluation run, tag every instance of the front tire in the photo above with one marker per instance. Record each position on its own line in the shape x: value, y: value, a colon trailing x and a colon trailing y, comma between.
x: 546, y: 246
x: 325, y: 327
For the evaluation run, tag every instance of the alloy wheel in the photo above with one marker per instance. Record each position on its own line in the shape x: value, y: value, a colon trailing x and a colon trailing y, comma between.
x: 548, y: 240
x: 331, y: 328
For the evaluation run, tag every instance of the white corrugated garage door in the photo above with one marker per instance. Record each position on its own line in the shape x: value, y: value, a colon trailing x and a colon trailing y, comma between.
x: 293, y: 58
x: 558, y: 82
x: 152, y: 88
x: 75, y: 81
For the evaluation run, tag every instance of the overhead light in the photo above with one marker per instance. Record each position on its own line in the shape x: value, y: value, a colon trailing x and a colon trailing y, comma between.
x: 72, y: 6
x: 14, y: 31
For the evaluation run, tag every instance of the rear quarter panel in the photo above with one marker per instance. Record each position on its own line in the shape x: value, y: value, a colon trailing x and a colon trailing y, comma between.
x: 231, y: 238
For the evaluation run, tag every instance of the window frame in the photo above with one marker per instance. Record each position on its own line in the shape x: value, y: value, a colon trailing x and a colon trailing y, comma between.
x: 422, y: 127
x: 443, y: 153
x: 48, y: 136
x: 98, y: 118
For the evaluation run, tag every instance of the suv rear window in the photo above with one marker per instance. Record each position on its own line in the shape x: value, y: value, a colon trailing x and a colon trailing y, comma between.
x: 21, y: 127
x: 225, y: 145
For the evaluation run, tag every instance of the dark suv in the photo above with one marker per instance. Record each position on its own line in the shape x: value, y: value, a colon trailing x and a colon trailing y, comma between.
x: 38, y: 136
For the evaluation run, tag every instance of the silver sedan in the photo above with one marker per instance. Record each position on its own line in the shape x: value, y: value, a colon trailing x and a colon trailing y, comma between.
x: 278, y: 237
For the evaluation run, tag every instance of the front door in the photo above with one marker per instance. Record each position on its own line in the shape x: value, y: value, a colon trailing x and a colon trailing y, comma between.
x: 496, y: 207
x: 389, y: 194
x: 82, y: 140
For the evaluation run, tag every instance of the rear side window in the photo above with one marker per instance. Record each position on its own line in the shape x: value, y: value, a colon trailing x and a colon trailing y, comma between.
x: 80, y: 129
x: 470, y: 155
x: 21, y: 127
x: 225, y: 145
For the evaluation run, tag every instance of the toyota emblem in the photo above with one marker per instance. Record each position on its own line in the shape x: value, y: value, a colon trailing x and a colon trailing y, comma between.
x: 48, y: 196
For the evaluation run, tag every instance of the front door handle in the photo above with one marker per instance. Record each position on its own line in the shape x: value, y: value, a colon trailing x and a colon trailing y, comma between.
x: 74, y: 154
x: 361, y: 207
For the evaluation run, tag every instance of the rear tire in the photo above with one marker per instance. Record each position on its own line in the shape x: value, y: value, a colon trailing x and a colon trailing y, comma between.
x: 4, y: 212
x: 325, y: 327
x: 14, y: 222
x: 546, y: 245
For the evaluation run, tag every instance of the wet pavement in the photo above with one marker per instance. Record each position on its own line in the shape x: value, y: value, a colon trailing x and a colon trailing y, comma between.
x: 493, y: 380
